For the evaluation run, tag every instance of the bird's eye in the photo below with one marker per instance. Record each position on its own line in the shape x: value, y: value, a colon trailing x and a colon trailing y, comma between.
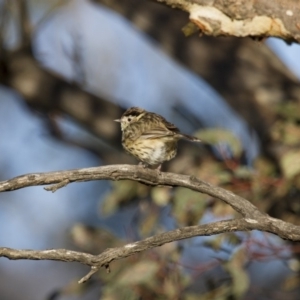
x: 129, y: 119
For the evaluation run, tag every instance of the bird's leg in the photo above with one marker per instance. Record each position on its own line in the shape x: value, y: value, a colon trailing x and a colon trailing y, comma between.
x: 143, y: 165
x: 158, y: 168
x: 152, y: 167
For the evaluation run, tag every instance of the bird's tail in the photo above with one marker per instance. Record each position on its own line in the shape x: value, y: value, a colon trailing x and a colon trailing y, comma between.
x: 190, y: 138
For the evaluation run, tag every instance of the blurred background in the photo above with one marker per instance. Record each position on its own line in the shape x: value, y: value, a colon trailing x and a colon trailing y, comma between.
x: 67, y: 70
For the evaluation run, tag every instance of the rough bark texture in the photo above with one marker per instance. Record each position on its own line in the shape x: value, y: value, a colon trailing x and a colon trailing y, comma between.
x: 240, y: 18
x: 252, y: 218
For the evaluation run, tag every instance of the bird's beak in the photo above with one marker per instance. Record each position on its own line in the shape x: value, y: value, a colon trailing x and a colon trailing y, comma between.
x: 117, y: 120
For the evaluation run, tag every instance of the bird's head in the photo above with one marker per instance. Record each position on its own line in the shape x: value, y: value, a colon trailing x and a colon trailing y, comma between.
x: 130, y: 116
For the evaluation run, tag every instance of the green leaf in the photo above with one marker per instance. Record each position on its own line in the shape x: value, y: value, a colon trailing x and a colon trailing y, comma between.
x: 140, y: 273
x: 243, y: 172
x: 161, y: 195
x: 289, y: 110
x: 287, y: 133
x: 290, y: 163
x: 189, y: 29
x: 240, y: 278
x: 188, y: 206
x: 216, y: 135
x: 149, y: 223
x: 122, y: 192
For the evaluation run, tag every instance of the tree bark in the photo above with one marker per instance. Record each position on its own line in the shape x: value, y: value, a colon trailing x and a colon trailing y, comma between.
x: 240, y: 18
x: 251, y: 218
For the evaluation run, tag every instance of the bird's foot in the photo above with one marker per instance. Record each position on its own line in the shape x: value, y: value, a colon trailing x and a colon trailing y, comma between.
x: 157, y: 168
x: 142, y: 165
x: 152, y: 167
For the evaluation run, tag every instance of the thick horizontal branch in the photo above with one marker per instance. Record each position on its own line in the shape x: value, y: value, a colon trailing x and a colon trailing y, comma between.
x: 131, y: 172
x: 278, y: 18
x: 253, y: 218
x: 111, y: 254
x: 153, y: 177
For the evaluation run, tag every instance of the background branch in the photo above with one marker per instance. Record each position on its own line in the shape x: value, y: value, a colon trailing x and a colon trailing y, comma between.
x: 24, y: 26
x: 243, y: 18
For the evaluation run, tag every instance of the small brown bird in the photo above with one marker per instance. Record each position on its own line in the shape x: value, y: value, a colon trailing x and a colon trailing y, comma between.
x: 150, y: 137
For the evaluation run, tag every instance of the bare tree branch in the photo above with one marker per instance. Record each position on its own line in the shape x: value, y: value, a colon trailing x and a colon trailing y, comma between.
x: 240, y: 18
x: 111, y: 254
x: 105, y: 258
x: 131, y: 172
x: 252, y: 219
x: 153, y: 177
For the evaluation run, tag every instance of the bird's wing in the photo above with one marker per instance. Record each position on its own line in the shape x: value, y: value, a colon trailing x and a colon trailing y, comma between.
x: 157, y: 132
x: 153, y: 126
x: 171, y: 127
x: 160, y: 129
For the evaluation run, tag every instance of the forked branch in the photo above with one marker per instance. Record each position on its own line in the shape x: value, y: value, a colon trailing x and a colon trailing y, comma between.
x: 252, y: 218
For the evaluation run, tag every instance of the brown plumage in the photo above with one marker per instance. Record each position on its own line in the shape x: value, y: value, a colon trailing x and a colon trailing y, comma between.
x: 150, y: 137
